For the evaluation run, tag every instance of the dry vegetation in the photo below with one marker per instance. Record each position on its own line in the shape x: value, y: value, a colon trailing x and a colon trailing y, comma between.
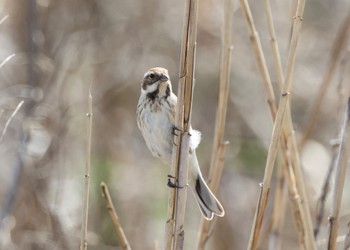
x: 280, y: 97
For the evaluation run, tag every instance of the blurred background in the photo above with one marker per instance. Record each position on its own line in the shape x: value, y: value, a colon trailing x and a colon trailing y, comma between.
x: 52, y: 51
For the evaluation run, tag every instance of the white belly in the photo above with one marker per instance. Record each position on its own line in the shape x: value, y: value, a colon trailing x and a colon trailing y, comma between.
x: 157, y: 132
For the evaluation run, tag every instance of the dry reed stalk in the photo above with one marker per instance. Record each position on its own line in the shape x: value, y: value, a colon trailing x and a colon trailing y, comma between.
x: 278, y: 124
x: 296, y: 185
x: 280, y: 201
x: 219, y: 146
x: 338, y: 46
x: 279, y: 208
x: 123, y: 241
x: 174, y: 229
x: 341, y: 165
x: 255, y: 40
x: 305, y: 225
x: 83, y: 240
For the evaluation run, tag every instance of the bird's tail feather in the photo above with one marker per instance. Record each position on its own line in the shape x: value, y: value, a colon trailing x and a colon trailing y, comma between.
x: 207, y: 202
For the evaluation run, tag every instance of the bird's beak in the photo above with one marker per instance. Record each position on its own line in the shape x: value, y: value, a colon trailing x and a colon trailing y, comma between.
x: 164, y: 78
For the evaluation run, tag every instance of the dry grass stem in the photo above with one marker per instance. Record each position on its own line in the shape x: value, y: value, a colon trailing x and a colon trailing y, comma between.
x: 123, y: 241
x: 300, y: 205
x: 274, y: 46
x: 296, y: 185
x: 219, y: 147
x: 279, y: 208
x: 83, y: 240
x: 10, y: 119
x: 338, y: 46
x: 265, y: 186
x: 341, y: 165
x: 174, y: 231
x: 255, y: 40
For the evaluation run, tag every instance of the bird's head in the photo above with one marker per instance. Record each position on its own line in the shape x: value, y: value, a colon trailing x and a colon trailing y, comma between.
x: 156, y: 82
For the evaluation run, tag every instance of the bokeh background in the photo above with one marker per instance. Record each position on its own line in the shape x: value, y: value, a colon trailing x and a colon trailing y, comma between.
x: 51, y: 52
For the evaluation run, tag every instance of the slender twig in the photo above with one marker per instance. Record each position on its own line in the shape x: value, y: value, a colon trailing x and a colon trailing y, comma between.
x: 219, y: 147
x: 83, y: 240
x: 338, y: 46
x: 10, y: 119
x: 342, y: 163
x: 277, y: 128
x: 335, y: 145
x: 320, y: 207
x: 124, y: 243
x: 174, y: 229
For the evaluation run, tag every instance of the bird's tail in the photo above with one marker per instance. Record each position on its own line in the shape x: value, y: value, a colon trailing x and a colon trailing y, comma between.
x: 206, y: 200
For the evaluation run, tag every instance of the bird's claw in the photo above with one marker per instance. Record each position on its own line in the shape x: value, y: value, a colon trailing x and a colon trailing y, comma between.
x: 175, y: 129
x: 172, y: 185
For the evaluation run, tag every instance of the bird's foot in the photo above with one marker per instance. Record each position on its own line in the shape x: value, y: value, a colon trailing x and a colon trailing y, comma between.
x: 173, y: 132
x: 171, y: 184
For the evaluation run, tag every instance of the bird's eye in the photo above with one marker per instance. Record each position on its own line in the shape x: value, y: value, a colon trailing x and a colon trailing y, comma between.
x: 151, y: 76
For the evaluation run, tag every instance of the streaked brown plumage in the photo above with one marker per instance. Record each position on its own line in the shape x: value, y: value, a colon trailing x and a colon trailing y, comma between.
x: 156, y: 120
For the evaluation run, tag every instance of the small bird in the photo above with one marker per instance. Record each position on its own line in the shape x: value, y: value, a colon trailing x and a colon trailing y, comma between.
x: 156, y: 120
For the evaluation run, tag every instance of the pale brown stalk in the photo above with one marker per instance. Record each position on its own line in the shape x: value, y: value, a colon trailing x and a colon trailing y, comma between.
x: 342, y: 163
x: 338, y: 47
x: 277, y: 128
x: 255, y: 40
x: 279, y: 208
x: 174, y: 229
x: 301, y: 210
x: 219, y: 146
x: 280, y: 201
x: 123, y: 241
x: 85, y: 212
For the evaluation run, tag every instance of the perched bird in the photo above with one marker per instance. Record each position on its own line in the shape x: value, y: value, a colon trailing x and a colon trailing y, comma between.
x: 156, y: 120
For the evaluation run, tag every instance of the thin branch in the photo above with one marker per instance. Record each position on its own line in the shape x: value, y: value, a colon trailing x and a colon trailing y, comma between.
x: 342, y: 163
x: 320, y: 207
x: 83, y: 240
x: 341, y: 89
x: 174, y: 229
x: 219, y: 147
x: 123, y: 241
x: 10, y: 119
x: 338, y: 46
